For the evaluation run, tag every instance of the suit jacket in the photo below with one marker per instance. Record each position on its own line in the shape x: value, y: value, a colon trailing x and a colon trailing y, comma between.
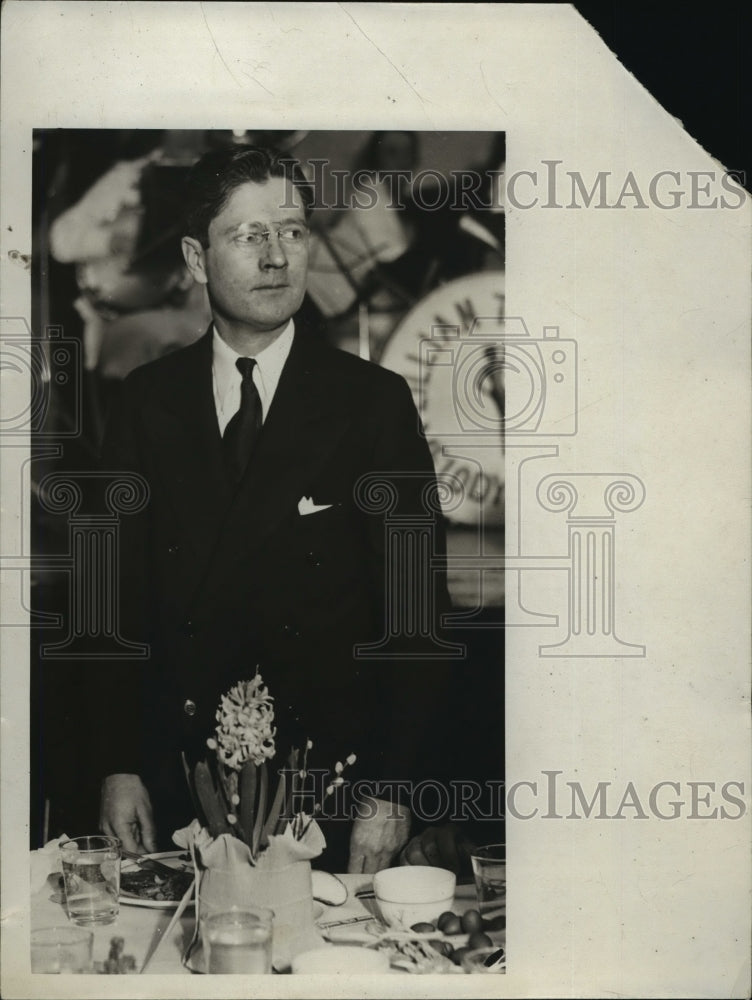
x: 219, y: 580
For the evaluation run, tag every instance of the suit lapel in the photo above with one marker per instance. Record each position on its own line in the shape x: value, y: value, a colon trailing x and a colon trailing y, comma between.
x: 188, y: 446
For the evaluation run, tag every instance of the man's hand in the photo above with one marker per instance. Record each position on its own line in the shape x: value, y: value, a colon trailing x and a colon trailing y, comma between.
x: 377, y: 838
x: 125, y: 812
x: 440, y: 846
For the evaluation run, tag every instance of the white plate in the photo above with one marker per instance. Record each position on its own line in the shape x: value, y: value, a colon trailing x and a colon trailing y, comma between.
x: 173, y: 860
x: 170, y: 858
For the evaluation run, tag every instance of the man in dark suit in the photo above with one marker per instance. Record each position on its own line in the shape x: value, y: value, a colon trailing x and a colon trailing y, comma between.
x: 253, y: 547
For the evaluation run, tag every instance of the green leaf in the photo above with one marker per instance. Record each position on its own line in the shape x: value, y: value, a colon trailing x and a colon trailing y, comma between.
x: 273, y: 821
x: 216, y: 817
x: 224, y: 788
x: 200, y: 816
x: 292, y: 762
x: 247, y: 793
x: 261, y: 808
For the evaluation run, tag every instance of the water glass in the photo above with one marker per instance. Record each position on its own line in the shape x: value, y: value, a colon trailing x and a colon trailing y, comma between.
x: 238, y: 941
x: 91, y: 879
x: 490, y: 873
x: 61, y: 949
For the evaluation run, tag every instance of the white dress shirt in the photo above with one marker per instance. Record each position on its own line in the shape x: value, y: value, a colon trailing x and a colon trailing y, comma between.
x: 266, y: 374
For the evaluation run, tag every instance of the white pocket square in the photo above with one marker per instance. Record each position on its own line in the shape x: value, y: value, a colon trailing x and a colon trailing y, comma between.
x: 307, y: 506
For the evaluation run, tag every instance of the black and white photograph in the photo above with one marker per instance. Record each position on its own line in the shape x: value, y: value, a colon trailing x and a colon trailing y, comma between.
x: 375, y: 540
x: 278, y: 547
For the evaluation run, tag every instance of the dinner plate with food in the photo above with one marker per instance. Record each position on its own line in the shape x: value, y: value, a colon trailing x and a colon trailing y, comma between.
x: 444, y: 945
x: 161, y: 880
x: 158, y: 881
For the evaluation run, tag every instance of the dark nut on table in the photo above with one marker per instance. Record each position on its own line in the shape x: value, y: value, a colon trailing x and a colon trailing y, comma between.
x: 450, y: 923
x: 479, y: 940
x: 471, y: 921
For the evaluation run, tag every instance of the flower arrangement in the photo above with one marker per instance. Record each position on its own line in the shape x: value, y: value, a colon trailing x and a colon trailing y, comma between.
x: 231, y: 792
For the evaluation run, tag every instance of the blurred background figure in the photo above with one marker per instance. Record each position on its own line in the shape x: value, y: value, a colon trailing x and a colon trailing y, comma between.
x: 401, y: 227
x: 359, y: 258
x: 137, y: 300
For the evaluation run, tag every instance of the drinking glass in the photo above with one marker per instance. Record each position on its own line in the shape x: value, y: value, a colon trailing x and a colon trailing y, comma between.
x: 91, y: 879
x: 61, y: 949
x: 490, y: 873
x: 238, y: 940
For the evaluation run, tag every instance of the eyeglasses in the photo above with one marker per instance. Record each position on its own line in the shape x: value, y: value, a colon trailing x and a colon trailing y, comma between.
x: 289, y: 235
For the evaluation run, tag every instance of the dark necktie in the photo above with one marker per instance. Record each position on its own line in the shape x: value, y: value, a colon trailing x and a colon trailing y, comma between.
x: 243, y: 430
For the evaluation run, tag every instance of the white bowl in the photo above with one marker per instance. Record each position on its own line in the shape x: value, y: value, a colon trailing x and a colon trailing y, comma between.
x: 413, y: 894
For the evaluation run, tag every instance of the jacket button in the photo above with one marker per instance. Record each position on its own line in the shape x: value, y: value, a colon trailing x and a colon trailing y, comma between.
x: 189, y: 707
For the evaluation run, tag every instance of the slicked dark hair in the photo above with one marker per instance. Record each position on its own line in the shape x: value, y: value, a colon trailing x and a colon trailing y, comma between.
x: 214, y: 177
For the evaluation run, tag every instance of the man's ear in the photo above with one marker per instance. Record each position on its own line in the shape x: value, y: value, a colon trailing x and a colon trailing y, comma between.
x: 193, y: 253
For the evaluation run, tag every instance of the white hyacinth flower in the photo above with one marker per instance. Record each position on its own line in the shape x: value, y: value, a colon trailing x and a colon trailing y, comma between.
x: 245, y: 730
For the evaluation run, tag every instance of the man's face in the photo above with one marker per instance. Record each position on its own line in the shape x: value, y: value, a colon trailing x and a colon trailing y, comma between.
x: 254, y: 285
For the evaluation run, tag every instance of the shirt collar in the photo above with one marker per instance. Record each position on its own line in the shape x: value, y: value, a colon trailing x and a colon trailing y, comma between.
x: 270, y: 361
